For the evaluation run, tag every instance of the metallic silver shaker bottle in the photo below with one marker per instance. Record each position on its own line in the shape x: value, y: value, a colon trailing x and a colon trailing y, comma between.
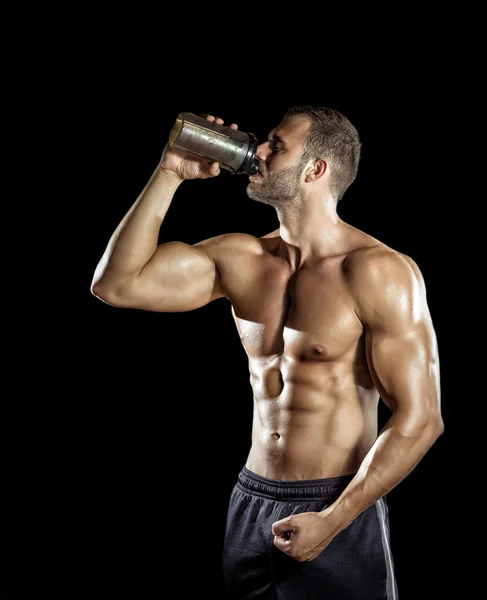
x: 234, y: 150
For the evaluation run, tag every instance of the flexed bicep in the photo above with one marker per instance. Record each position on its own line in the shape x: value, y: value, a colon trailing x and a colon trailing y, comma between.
x: 177, y: 278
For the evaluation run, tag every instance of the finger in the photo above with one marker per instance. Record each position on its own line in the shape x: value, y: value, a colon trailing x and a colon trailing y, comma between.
x: 286, y: 535
x: 281, y: 544
x: 218, y: 120
x: 281, y: 526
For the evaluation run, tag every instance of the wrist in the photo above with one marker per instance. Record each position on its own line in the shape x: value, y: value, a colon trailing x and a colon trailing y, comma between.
x: 340, y: 513
x: 170, y: 175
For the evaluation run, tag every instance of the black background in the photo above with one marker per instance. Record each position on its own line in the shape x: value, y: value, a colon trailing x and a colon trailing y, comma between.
x: 149, y: 414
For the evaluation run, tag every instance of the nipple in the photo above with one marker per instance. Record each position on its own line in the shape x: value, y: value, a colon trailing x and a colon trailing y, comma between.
x: 319, y: 349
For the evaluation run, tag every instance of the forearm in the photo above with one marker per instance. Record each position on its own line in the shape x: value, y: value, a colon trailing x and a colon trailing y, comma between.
x: 395, y: 453
x: 135, y: 239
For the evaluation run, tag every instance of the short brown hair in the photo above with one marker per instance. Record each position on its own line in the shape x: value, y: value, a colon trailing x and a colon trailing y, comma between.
x: 333, y: 137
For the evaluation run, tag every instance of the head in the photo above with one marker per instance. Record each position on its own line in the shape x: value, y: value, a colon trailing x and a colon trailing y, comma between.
x: 312, y: 145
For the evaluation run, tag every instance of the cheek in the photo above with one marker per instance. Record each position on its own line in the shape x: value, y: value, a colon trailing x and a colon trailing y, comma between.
x: 276, y: 163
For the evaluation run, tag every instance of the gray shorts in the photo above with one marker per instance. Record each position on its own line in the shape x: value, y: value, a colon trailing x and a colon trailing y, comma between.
x: 356, y: 565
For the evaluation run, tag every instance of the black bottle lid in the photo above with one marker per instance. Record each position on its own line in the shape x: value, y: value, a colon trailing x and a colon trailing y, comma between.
x: 250, y: 164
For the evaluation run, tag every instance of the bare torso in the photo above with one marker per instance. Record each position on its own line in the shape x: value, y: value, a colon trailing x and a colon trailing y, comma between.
x: 315, y: 403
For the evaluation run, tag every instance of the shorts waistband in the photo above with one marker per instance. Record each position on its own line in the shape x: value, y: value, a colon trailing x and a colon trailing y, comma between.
x: 323, y: 489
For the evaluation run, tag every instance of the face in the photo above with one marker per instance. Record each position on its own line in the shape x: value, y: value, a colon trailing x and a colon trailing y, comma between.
x: 280, y: 165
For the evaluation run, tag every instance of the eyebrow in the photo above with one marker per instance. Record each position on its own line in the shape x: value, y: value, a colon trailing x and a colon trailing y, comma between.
x: 276, y: 138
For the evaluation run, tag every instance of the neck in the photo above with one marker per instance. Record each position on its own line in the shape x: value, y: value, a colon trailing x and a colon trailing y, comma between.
x: 309, y: 228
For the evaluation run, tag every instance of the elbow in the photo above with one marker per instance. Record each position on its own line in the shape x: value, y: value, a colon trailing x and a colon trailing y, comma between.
x: 107, y: 292
x: 434, y: 425
x: 431, y: 433
x: 98, y: 289
x: 423, y: 427
x: 432, y: 430
x: 438, y: 427
x: 95, y: 288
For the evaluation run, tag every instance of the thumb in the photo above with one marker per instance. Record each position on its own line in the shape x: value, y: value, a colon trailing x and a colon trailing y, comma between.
x: 214, y: 169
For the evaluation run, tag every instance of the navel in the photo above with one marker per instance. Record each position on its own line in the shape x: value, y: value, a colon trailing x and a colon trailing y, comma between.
x: 275, y: 436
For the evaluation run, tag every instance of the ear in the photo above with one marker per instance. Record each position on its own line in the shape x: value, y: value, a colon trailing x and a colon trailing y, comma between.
x: 316, y: 170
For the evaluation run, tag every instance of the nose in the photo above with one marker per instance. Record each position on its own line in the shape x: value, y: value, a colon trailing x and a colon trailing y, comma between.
x: 262, y: 151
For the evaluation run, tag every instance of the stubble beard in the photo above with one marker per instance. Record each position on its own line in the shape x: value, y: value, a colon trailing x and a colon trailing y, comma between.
x: 280, y: 190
